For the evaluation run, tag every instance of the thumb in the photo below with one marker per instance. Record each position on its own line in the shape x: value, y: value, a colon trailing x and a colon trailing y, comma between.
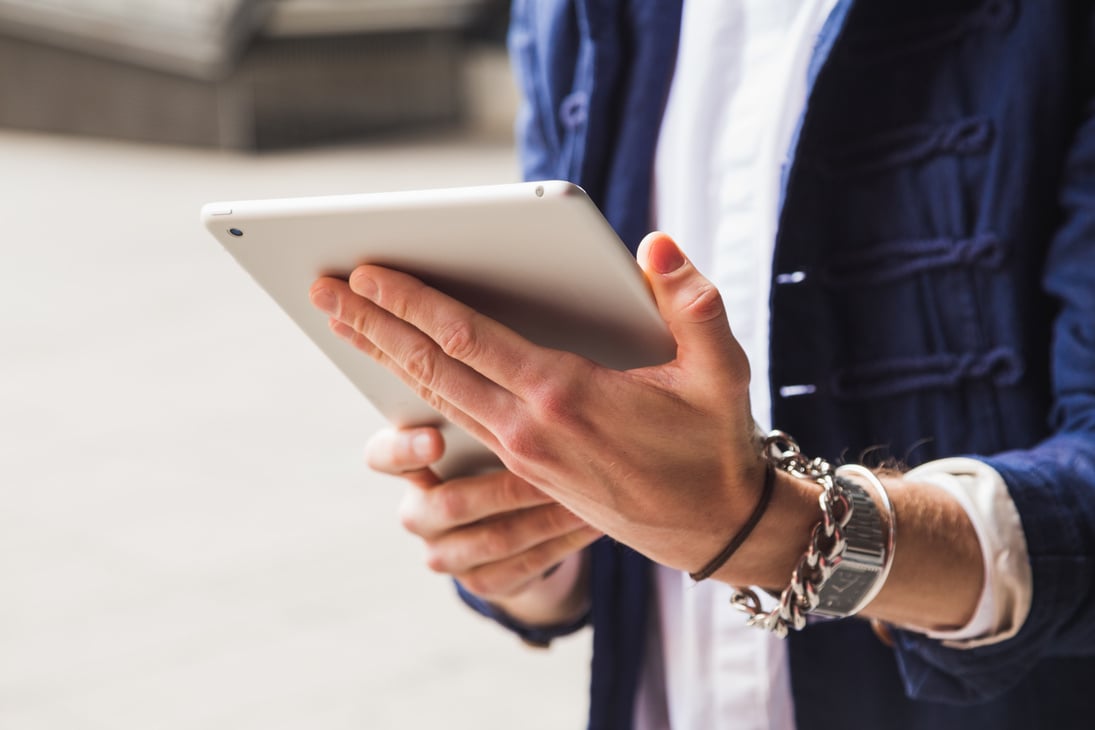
x: 692, y: 307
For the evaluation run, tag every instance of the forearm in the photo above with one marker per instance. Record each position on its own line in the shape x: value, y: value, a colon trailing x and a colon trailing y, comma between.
x: 938, y: 569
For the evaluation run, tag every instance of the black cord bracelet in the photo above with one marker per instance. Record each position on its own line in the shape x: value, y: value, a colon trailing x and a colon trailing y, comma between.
x: 731, y: 547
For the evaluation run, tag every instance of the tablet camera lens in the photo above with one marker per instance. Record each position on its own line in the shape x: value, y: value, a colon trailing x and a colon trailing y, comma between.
x: 235, y: 232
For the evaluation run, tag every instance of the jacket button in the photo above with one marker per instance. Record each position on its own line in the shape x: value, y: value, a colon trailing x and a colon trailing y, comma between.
x: 574, y: 109
x: 797, y: 391
x: 792, y: 277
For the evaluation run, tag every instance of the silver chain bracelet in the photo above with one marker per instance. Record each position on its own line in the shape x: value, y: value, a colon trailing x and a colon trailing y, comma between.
x: 863, y: 567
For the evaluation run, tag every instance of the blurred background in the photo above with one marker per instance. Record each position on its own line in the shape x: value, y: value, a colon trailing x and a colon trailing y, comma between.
x: 188, y: 536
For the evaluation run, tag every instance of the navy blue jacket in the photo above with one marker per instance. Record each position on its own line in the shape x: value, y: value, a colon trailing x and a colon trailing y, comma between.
x: 941, y: 203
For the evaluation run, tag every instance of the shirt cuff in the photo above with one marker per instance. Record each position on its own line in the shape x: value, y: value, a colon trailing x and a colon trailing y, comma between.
x: 1006, y: 595
x: 535, y: 636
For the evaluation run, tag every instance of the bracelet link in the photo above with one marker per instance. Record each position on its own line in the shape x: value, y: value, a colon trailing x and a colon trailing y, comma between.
x: 850, y: 550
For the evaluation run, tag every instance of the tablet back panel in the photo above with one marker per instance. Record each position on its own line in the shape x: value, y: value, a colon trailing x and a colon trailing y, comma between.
x: 538, y: 257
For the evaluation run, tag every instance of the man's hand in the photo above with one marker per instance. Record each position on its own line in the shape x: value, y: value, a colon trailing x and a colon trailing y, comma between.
x: 663, y: 458
x: 503, y: 539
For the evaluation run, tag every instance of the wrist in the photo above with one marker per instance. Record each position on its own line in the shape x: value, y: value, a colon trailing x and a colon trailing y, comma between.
x: 562, y: 596
x: 850, y: 550
x: 770, y: 553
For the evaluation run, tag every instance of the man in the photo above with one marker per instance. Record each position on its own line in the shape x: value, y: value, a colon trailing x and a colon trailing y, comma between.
x: 931, y: 290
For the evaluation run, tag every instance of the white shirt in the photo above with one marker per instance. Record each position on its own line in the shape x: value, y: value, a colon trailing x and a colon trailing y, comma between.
x: 738, y: 90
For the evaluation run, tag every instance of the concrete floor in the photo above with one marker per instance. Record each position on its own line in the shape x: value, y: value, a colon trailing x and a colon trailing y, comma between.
x: 188, y: 537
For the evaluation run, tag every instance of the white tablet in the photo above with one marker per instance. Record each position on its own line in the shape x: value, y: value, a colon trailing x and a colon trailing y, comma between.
x: 538, y: 257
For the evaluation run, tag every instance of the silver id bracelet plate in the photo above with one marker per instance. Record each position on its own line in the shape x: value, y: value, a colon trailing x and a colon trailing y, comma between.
x: 862, y: 569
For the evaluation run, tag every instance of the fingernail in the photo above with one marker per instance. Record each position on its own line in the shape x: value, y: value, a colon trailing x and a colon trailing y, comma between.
x: 422, y: 445
x: 325, y: 301
x: 666, y: 258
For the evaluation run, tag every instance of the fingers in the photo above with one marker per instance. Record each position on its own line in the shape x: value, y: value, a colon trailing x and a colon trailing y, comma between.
x: 458, y: 503
x: 495, y: 533
x: 407, y: 453
x: 394, y: 451
x: 508, y: 577
x: 448, y: 385
x: 692, y: 307
x: 494, y: 540
x: 463, y: 334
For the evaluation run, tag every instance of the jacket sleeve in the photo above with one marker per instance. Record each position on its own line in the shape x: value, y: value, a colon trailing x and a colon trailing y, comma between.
x: 538, y: 636
x: 541, y: 40
x: 1052, y: 484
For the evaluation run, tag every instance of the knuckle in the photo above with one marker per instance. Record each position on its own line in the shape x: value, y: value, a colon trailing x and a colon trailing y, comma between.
x: 705, y: 302
x: 554, y: 401
x: 450, y: 505
x: 457, y: 340
x: 420, y: 362
x: 521, y: 440
x: 556, y: 398
x: 358, y: 321
x: 497, y: 542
